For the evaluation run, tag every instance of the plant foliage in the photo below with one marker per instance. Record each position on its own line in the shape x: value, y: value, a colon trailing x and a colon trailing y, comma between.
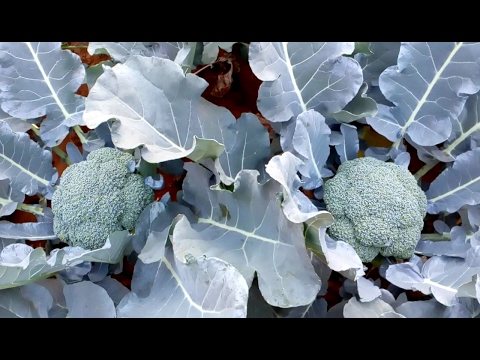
x: 238, y: 226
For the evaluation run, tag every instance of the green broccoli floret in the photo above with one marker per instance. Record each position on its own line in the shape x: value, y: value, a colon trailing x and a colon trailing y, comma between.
x: 377, y: 206
x: 96, y: 197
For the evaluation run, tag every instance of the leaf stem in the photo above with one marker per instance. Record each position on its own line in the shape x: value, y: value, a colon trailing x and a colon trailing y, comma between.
x: 30, y: 208
x: 62, y: 155
x: 35, y: 129
x: 64, y: 47
x: 423, y: 170
x: 81, y: 135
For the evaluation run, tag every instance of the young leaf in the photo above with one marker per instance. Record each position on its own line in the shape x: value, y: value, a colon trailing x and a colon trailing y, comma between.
x: 296, y: 206
x: 338, y: 255
x: 38, y: 79
x: 310, y: 142
x: 349, y: 145
x: 301, y: 76
x: 94, y: 71
x: 361, y: 106
x: 367, y: 290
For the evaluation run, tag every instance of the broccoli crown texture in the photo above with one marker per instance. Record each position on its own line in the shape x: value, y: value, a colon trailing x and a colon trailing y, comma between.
x: 96, y: 197
x: 377, y: 206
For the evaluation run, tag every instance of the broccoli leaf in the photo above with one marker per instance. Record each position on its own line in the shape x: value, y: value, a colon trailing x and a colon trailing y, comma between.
x: 382, y: 56
x: 348, y: 147
x: 29, y: 301
x: 301, y: 76
x: 373, y: 309
x: 465, y: 133
x: 85, y: 299
x: 23, y: 161
x: 74, y: 154
x: 55, y: 288
x: 432, y: 309
x: 117, y: 245
x: 257, y: 307
x: 202, y: 287
x: 441, y: 276
x: 154, y: 249
x: 310, y: 142
x: 367, y: 290
x: 94, y: 71
x: 145, y: 224
x: 180, y: 52
x: 98, y: 272
x: 153, y: 85
x: 27, y: 231
x: 16, y: 124
x: 296, y: 206
x: 456, y: 186
x: 154, y: 220
x: 175, y: 51
x: 115, y: 289
x: 338, y: 255
x: 248, y: 148
x: 211, y: 49
x: 360, y: 107
x: 248, y: 229
x: 9, y: 198
x: 454, y: 244
x: 316, y: 310
x: 428, y: 87
x: 40, y: 79
x: 21, y: 264
x: 118, y: 51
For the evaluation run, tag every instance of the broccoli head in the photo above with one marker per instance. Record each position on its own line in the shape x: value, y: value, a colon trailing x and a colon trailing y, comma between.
x: 96, y: 197
x: 377, y: 206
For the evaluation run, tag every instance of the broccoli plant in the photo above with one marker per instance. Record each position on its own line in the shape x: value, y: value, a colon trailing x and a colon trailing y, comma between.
x: 283, y: 173
x: 96, y: 197
x: 378, y: 208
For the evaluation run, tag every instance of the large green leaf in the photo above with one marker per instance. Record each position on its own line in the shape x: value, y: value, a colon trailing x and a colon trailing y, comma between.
x: 247, y: 228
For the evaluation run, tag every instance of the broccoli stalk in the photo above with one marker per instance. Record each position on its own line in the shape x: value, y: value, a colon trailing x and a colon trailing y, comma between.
x: 377, y: 206
x: 97, y: 197
x: 30, y: 208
